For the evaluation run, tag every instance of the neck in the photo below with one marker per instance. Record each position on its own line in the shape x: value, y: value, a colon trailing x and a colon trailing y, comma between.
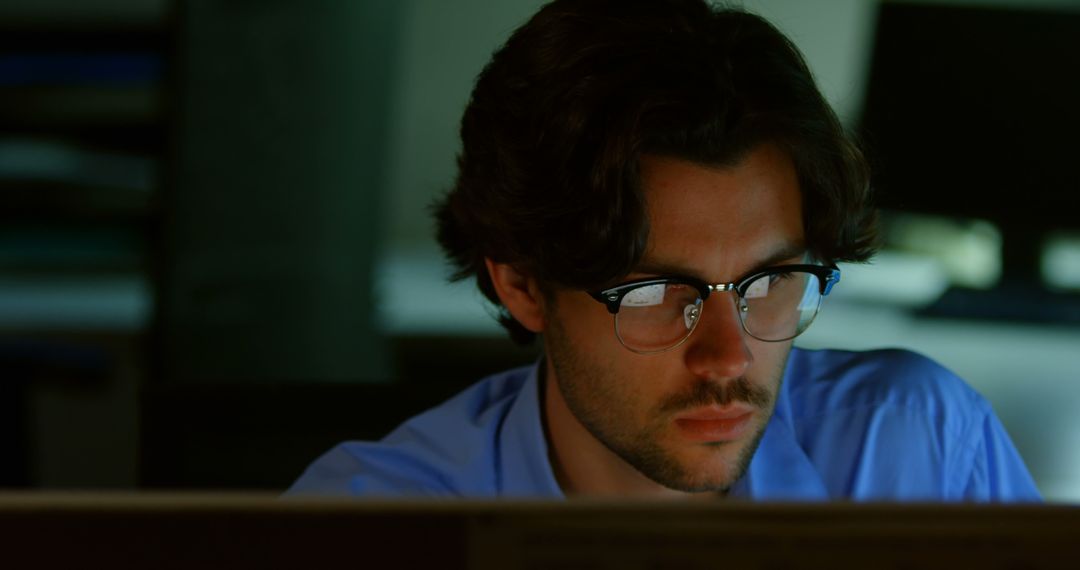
x: 582, y: 464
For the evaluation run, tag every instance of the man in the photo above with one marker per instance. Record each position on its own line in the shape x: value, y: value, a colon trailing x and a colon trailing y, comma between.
x: 658, y: 189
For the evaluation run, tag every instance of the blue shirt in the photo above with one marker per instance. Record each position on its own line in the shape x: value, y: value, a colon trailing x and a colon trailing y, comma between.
x: 880, y: 425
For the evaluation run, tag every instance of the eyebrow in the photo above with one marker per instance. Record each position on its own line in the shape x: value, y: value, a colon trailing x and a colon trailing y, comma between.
x: 789, y: 251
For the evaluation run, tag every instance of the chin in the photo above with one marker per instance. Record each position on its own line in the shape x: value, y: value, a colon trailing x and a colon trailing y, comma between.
x: 713, y: 473
x: 710, y: 466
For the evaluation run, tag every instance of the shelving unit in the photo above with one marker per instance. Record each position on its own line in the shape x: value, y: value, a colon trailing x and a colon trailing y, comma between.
x: 84, y: 132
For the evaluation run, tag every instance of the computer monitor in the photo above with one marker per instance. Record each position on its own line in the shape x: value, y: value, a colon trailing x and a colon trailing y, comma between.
x: 974, y: 112
x: 231, y: 531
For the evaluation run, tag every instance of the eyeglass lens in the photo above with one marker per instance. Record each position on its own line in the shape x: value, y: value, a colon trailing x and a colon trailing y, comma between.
x: 774, y: 307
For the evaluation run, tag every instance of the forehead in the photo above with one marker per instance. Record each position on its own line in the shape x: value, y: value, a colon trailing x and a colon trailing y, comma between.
x: 721, y: 221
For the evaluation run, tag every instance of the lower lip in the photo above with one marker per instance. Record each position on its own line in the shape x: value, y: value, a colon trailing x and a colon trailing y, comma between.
x: 715, y: 430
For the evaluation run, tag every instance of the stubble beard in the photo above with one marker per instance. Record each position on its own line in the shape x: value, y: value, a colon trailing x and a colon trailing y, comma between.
x: 593, y: 399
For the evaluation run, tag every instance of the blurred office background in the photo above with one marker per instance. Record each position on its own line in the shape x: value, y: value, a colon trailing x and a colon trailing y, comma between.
x: 216, y: 258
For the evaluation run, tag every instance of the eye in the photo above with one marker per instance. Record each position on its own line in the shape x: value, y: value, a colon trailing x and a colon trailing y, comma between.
x: 646, y: 296
x: 777, y: 277
x: 761, y: 286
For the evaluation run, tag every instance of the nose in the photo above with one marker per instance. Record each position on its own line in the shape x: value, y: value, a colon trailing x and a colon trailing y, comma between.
x: 718, y: 350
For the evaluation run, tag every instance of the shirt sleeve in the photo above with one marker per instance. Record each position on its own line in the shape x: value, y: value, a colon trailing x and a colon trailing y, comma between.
x: 371, y: 469
x: 997, y: 473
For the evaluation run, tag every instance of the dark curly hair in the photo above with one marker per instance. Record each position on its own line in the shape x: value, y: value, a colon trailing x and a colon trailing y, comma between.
x: 548, y: 175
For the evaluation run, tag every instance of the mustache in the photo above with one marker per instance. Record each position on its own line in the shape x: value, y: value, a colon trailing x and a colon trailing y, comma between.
x: 708, y: 392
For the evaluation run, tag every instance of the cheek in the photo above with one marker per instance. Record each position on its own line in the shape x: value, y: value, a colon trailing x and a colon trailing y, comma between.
x: 631, y: 373
x: 608, y: 370
x: 770, y: 358
x: 585, y: 323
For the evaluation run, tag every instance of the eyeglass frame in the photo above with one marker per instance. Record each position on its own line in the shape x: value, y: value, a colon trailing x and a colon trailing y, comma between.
x: 611, y: 297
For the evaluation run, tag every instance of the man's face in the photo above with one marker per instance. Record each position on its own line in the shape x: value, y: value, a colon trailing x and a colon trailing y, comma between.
x: 690, y: 418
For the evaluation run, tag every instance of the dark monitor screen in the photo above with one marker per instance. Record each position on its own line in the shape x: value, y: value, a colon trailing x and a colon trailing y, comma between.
x: 974, y: 112
x: 231, y: 531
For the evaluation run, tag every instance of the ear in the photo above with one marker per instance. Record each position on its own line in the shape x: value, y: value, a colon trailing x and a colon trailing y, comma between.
x: 519, y: 293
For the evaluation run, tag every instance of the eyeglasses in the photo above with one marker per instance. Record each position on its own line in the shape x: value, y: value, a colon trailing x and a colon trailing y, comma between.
x: 775, y: 304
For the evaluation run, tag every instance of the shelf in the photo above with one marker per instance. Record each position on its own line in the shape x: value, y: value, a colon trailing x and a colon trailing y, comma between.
x: 85, y: 14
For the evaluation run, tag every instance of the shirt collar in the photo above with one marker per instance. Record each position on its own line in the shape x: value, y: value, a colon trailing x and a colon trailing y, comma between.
x: 524, y: 468
x: 780, y: 469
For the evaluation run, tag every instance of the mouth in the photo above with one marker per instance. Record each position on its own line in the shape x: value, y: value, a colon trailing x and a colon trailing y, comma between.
x: 716, y: 424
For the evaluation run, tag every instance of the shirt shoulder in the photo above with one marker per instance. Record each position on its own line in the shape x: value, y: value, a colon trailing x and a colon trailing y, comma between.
x: 834, y: 381
x: 449, y: 450
x: 893, y: 424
